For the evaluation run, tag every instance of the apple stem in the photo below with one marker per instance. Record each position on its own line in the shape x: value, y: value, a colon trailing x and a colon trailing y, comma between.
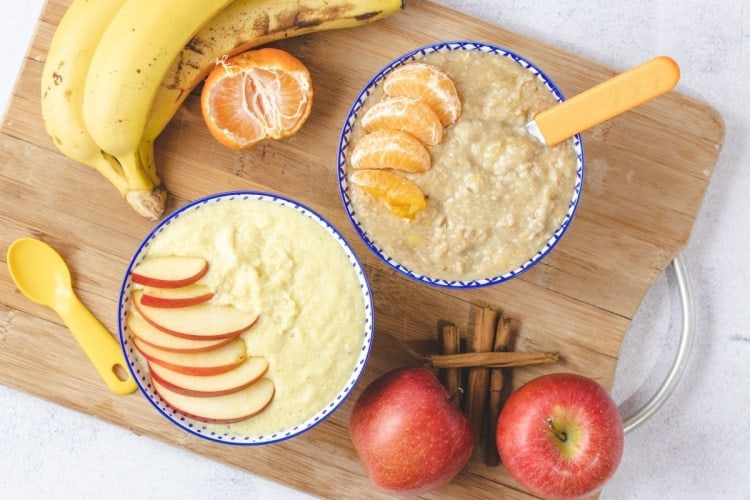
x: 456, y: 395
x: 561, y: 435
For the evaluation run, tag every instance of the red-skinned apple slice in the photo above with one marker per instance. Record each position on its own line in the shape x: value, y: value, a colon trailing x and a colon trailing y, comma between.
x: 198, y: 322
x: 221, y: 409
x: 190, y: 295
x: 172, y: 271
x: 218, y: 360
x: 149, y: 334
x: 251, y: 370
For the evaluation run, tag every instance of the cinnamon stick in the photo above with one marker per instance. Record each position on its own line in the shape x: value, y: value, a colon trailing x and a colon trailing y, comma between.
x: 502, y: 338
x: 478, y: 379
x: 451, y: 345
x: 486, y: 360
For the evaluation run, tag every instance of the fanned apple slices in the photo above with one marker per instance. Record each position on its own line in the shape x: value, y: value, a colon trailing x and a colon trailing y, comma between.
x: 170, y: 271
x: 149, y: 334
x: 197, y: 360
x: 228, y: 408
x: 190, y: 295
x: 241, y: 377
x: 217, y: 360
x: 198, y: 322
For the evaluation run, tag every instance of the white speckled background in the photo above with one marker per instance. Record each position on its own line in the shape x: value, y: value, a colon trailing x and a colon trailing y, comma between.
x: 697, y: 446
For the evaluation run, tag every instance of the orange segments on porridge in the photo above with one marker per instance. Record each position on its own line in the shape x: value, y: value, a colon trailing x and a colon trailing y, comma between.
x: 405, y: 114
x: 429, y: 84
x: 390, y: 149
x: 402, y: 196
x: 257, y: 95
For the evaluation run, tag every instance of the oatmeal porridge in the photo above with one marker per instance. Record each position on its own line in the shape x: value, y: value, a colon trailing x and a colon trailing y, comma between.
x: 495, y: 195
x: 271, y: 260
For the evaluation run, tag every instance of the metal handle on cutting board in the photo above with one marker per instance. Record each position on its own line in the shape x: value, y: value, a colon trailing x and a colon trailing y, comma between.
x: 683, y: 350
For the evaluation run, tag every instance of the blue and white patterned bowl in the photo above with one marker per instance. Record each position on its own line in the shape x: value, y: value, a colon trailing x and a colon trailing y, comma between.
x: 343, y: 152
x: 214, y: 432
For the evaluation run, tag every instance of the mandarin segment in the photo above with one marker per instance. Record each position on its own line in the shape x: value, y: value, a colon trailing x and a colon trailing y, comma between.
x: 401, y: 196
x: 406, y: 114
x: 256, y: 95
x: 429, y: 84
x: 390, y: 149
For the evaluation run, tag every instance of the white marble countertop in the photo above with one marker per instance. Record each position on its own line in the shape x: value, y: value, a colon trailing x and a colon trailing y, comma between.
x: 696, y: 446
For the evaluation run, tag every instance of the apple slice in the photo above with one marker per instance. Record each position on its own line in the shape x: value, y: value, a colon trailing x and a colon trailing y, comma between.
x: 173, y: 271
x: 218, y: 360
x: 252, y: 369
x: 177, y: 297
x: 198, y: 322
x: 149, y: 334
x: 221, y: 409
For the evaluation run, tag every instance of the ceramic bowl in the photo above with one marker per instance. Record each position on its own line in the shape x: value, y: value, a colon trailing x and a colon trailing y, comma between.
x: 344, y: 151
x: 227, y: 433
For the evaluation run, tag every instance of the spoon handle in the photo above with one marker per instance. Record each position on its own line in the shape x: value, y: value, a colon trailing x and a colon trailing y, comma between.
x: 608, y: 99
x: 99, y: 345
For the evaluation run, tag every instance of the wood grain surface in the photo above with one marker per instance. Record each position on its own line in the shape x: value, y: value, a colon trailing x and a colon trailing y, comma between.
x: 646, y: 175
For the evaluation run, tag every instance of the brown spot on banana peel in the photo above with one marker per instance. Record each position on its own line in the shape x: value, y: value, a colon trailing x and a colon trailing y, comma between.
x: 262, y: 24
x: 306, y: 17
x: 293, y: 22
x: 368, y: 15
x: 195, y: 45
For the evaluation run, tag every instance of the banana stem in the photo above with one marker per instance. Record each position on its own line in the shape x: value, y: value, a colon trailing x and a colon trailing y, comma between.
x: 149, y: 204
x: 145, y: 193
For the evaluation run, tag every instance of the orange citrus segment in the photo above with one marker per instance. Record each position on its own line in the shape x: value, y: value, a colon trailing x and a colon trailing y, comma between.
x: 405, y: 114
x: 257, y: 95
x: 428, y: 83
x: 390, y: 149
x: 402, y: 196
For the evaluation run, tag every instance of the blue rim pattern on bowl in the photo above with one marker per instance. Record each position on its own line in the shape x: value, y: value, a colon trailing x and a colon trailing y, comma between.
x: 198, y: 427
x: 344, y: 184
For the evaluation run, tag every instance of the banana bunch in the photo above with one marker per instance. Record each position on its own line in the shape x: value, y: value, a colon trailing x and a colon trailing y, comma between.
x: 118, y: 70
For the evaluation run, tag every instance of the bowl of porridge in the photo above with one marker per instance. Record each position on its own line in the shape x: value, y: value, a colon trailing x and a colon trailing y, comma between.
x: 441, y: 178
x: 245, y: 318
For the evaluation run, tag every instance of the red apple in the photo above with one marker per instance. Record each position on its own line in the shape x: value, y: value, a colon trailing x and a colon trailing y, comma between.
x: 408, y: 434
x: 169, y: 272
x: 560, y: 436
x: 217, y: 360
x: 221, y: 409
x: 177, y: 297
x: 199, y: 322
x: 236, y: 379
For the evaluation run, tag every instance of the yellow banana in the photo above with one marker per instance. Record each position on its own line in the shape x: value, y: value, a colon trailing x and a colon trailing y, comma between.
x: 126, y: 70
x: 63, y: 78
x: 245, y: 24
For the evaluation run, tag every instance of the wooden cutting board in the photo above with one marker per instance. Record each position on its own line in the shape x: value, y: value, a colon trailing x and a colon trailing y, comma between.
x: 646, y: 175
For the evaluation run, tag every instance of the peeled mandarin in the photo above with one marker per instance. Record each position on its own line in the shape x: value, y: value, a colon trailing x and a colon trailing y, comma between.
x: 407, y: 115
x: 429, y: 84
x: 401, y: 196
x: 390, y: 149
x: 256, y: 95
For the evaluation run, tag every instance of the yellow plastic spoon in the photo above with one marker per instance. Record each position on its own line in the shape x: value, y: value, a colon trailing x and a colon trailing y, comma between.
x: 42, y: 276
x: 606, y: 100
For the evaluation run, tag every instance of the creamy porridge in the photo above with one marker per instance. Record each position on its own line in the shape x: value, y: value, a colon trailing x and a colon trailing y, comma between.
x: 272, y: 260
x: 494, y: 193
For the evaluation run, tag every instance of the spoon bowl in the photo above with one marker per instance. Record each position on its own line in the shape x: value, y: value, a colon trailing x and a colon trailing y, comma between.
x: 40, y: 273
